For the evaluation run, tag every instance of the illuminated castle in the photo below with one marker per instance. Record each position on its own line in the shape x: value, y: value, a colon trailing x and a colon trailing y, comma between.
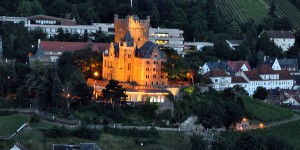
x: 132, y: 57
x: 138, y: 28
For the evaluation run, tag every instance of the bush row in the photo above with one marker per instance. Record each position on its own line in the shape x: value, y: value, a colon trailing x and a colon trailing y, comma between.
x: 134, y: 132
x: 81, y: 132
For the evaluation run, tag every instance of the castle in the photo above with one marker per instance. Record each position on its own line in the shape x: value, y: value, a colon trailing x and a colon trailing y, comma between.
x: 132, y: 58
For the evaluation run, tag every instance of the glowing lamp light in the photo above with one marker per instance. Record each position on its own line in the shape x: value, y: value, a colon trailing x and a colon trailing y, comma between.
x: 244, y: 119
x: 96, y: 74
x: 261, y: 125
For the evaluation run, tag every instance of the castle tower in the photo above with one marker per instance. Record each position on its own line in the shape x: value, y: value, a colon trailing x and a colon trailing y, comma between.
x: 139, y: 29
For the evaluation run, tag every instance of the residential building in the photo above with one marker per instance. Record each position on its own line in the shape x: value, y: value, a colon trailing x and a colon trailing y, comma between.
x: 283, y: 39
x: 263, y: 76
x: 233, y: 44
x: 230, y: 67
x: 167, y: 38
x: 197, y: 46
x: 50, y: 25
x: 49, y: 51
x: 219, y: 78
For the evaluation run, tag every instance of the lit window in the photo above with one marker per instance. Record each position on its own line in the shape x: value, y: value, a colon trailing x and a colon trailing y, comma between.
x: 147, y: 62
x: 129, y: 55
x: 147, y: 69
x: 129, y: 66
x: 154, y: 76
x: 154, y: 69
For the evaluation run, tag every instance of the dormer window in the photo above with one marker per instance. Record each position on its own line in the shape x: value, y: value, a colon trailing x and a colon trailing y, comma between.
x: 155, y: 55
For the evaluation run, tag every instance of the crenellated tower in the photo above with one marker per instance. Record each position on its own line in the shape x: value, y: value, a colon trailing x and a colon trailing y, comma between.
x: 139, y: 29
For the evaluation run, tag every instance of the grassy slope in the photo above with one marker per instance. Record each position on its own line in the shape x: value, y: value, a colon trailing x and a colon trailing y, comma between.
x: 242, y: 10
x: 287, y: 9
x: 33, y: 138
x: 9, y: 124
x: 265, y: 112
x: 289, y: 132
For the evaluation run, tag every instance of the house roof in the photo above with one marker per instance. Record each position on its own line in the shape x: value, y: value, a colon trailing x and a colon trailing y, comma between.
x: 287, y: 63
x: 252, y: 75
x: 265, y: 69
x: 216, y: 73
x: 58, y: 46
x: 89, y: 146
x: 284, y: 75
x: 20, y: 146
x: 235, y: 42
x: 128, y: 39
x: 218, y: 65
x: 146, y: 50
x: 238, y: 79
x: 270, y: 61
x: 235, y: 66
x: 61, y: 20
x: 279, y: 34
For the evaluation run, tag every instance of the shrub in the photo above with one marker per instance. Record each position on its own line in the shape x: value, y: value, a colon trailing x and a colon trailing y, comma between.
x: 7, y: 113
x: 85, y: 133
x: 57, y: 132
x: 105, y: 121
x: 35, y: 118
x: 134, y: 132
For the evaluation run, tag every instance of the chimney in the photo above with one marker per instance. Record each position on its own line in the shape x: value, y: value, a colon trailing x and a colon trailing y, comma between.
x: 39, y: 42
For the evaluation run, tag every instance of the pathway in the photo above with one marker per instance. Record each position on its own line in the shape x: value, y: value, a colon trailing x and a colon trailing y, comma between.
x: 276, y: 123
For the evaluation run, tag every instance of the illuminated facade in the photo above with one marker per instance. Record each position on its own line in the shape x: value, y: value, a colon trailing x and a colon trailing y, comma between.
x: 134, y: 58
x: 139, y: 29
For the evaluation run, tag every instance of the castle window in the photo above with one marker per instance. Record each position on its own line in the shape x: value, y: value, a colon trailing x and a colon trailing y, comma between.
x: 154, y: 76
x: 161, y: 76
x: 129, y: 66
x: 129, y: 55
x: 147, y: 62
x: 162, y: 62
x: 146, y: 83
x: 155, y: 55
x: 154, y: 69
x: 104, y: 63
x: 147, y: 69
x: 152, y: 83
x: 155, y: 62
x: 161, y: 69
x: 156, y: 83
x: 162, y: 83
x: 147, y: 76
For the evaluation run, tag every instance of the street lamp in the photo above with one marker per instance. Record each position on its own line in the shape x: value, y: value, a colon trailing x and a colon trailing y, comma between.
x: 96, y: 74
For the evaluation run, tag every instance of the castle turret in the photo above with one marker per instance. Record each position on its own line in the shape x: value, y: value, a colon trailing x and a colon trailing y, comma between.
x: 139, y: 29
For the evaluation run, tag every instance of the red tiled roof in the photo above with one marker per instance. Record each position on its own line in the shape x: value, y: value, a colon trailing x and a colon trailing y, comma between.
x: 58, y: 46
x: 238, y: 79
x: 216, y: 73
x: 284, y: 75
x: 252, y: 75
x: 265, y: 69
x: 235, y: 66
x: 279, y: 34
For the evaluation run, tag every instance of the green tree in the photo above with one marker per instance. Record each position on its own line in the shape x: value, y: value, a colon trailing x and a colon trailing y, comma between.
x: 260, y: 93
x: 247, y: 142
x: 272, y: 10
x: 198, y: 143
x: 114, y: 92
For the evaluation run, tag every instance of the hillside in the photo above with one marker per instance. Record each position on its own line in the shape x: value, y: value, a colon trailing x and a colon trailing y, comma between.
x: 242, y: 10
x: 287, y: 9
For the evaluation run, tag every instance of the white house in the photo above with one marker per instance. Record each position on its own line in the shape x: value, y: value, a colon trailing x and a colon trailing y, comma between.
x: 219, y: 79
x: 283, y: 39
x: 263, y: 76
